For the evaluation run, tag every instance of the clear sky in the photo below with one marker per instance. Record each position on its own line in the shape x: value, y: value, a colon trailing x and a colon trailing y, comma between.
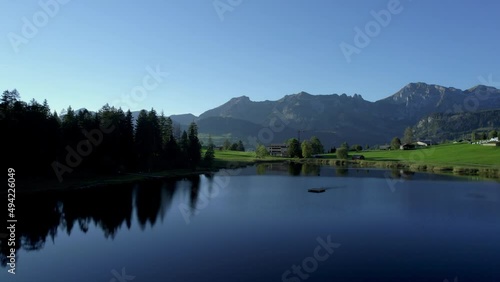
x: 88, y: 53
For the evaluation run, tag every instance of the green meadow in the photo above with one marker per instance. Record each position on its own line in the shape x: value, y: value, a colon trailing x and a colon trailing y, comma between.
x: 466, y: 159
x: 447, y: 154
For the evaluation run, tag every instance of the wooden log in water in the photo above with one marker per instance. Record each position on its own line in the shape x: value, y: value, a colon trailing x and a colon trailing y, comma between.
x: 316, y: 190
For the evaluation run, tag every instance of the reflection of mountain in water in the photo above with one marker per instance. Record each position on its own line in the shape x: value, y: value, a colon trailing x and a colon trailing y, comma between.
x: 41, y: 216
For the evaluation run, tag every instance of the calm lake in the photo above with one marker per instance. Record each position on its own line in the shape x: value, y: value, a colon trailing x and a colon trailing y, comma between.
x: 261, y: 224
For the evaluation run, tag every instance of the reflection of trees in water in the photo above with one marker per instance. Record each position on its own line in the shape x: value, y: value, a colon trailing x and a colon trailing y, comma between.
x: 400, y: 173
x: 294, y: 168
x: 167, y: 195
x: 108, y: 208
x: 147, y: 203
x: 342, y: 171
x: 310, y: 169
x: 37, y: 221
x: 261, y: 169
x: 210, y: 179
x: 194, y: 192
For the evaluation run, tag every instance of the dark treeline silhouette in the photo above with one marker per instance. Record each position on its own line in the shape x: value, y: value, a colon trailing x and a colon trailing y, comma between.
x: 43, y: 216
x: 38, y: 142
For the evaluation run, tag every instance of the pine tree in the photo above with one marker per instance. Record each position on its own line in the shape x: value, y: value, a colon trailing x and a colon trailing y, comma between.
x: 209, y: 154
x: 240, y: 146
x: 184, y: 149
x: 194, y: 146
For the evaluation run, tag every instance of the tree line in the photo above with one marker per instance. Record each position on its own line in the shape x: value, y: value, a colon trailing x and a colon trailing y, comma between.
x: 39, y: 142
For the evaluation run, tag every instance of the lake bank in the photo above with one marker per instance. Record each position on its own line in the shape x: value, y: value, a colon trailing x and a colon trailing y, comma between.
x: 83, y: 180
x: 443, y: 159
x: 486, y: 172
x: 454, y: 159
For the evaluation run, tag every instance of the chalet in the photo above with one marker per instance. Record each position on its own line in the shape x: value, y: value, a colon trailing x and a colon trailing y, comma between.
x: 278, y: 150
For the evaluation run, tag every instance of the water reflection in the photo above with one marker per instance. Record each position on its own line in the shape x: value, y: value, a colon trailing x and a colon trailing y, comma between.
x: 147, y: 203
x: 400, y: 174
x: 194, y: 192
x: 342, y: 171
x: 113, y: 209
x: 310, y: 169
x: 110, y: 209
x: 294, y: 169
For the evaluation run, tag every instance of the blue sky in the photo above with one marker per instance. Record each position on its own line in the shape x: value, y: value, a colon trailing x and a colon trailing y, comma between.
x: 88, y: 53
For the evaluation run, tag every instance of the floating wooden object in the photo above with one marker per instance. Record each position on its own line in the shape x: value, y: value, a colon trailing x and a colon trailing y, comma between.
x: 316, y: 190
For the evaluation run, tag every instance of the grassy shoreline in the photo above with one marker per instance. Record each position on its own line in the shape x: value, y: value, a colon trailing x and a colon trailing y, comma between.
x: 487, y: 172
x: 449, y: 159
x: 455, y: 159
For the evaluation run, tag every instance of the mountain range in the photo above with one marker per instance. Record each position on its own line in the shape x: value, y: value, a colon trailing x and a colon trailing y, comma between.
x: 434, y: 112
x: 337, y: 118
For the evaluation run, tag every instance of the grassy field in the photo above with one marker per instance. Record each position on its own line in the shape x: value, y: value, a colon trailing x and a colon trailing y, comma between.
x: 234, y: 158
x: 448, y: 154
x: 464, y: 159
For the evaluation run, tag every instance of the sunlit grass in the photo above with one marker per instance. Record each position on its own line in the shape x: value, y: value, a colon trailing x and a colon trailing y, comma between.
x: 447, y: 154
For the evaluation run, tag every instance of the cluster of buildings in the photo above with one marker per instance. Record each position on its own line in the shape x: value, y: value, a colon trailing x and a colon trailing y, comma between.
x: 277, y: 150
x: 409, y: 146
x: 491, y: 142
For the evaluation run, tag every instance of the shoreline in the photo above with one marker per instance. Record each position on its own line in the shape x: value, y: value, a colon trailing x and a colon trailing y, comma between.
x: 76, y: 183
x: 489, y: 172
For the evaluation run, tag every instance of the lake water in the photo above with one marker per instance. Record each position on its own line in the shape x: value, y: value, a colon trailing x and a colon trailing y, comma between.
x: 261, y: 224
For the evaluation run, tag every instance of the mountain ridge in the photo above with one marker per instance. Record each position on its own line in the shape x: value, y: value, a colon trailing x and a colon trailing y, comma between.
x: 352, y: 118
x: 340, y: 117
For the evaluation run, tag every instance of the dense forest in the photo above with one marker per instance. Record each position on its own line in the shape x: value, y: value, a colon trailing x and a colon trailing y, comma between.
x: 38, y: 142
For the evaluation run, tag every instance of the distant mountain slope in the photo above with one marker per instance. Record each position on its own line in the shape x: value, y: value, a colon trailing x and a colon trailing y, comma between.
x: 241, y: 108
x: 240, y: 129
x: 441, y: 126
x: 184, y: 119
x: 417, y: 100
